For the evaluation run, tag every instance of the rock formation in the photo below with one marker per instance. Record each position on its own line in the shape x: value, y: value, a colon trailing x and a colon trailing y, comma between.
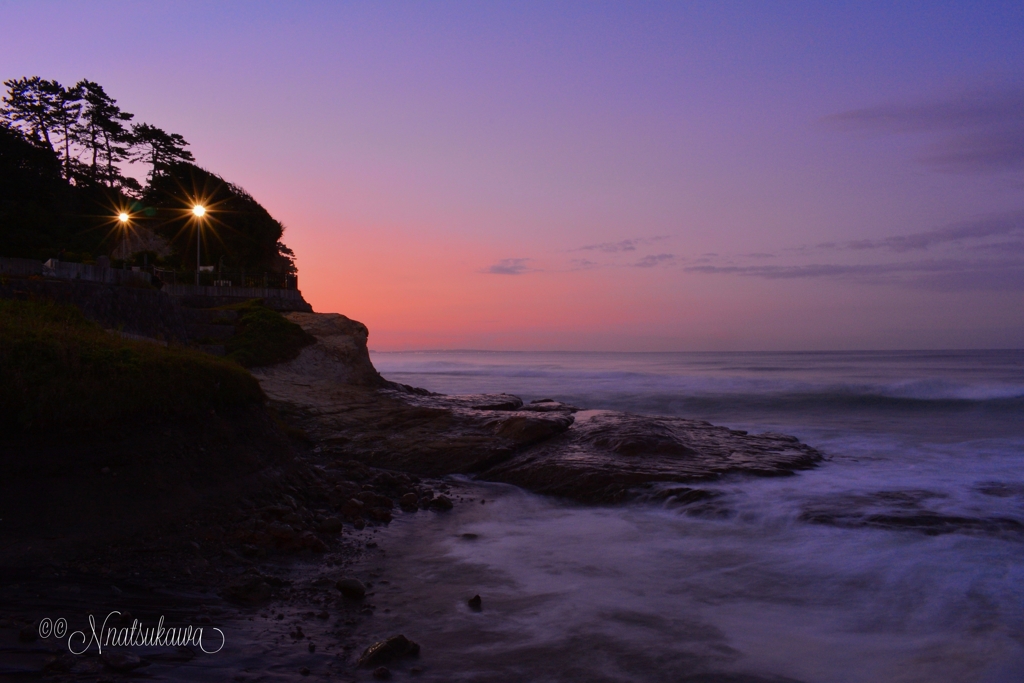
x: 333, y: 392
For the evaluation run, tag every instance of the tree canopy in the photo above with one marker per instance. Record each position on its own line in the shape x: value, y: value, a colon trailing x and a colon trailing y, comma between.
x: 66, y: 156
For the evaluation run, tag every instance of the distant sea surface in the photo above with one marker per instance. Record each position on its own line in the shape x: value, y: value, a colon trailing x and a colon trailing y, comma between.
x: 900, y: 558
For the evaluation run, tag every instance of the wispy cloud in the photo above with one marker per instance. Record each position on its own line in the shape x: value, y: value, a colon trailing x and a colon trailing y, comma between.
x: 612, y: 247
x: 981, y: 130
x: 654, y: 260
x: 623, y: 245
x: 951, y: 274
x: 509, y: 266
x: 1002, y: 225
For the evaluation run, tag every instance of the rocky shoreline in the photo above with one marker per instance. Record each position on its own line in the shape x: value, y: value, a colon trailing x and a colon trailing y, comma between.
x: 332, y: 392
x: 234, y: 525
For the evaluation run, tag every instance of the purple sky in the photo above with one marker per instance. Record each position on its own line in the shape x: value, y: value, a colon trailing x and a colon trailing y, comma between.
x: 584, y: 176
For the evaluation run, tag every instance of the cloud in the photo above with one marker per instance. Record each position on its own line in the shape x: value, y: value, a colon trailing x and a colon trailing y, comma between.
x: 623, y: 245
x: 509, y: 266
x: 948, y: 274
x: 613, y: 247
x: 980, y: 130
x: 991, y: 226
x: 654, y: 260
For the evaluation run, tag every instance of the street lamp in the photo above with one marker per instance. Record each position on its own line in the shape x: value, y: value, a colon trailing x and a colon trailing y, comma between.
x: 198, y: 211
x: 123, y: 217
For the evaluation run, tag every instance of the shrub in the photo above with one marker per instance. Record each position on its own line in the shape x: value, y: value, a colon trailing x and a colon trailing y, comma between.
x: 59, y: 372
x: 264, y: 336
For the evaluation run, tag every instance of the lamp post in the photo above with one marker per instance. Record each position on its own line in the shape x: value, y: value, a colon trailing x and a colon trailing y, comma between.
x: 198, y: 211
x: 123, y: 217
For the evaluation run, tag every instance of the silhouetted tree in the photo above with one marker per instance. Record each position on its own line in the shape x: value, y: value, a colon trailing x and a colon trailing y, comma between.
x: 102, y: 132
x: 30, y: 106
x: 237, y: 229
x: 158, y: 147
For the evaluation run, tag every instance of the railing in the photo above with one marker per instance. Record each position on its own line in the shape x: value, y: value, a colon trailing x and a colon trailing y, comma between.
x: 226, y: 278
x: 97, y: 273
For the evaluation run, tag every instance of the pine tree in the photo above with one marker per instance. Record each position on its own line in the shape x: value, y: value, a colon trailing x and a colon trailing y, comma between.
x: 159, y: 148
x: 102, y: 132
x: 30, y: 106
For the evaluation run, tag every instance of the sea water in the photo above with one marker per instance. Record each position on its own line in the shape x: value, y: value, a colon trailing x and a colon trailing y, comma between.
x: 899, y: 558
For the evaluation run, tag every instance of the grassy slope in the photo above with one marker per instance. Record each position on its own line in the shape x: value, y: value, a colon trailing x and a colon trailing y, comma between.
x: 264, y: 336
x: 60, y: 373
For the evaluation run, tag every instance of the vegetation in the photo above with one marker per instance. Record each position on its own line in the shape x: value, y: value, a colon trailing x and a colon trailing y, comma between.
x: 264, y: 336
x: 63, y: 373
x: 65, y: 157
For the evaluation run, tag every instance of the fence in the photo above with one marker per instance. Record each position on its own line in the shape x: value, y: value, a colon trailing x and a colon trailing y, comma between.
x: 20, y: 267
x: 98, y: 273
x: 224, y: 278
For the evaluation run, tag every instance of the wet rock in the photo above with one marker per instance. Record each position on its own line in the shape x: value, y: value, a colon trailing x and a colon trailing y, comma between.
x: 123, y: 661
x: 906, y: 510
x: 309, y: 540
x: 28, y: 633
x: 389, y: 650
x: 180, y: 654
x: 547, y: 405
x: 379, y: 514
x: 499, y: 402
x: 475, y: 603
x: 282, y: 532
x: 353, y: 508
x: 61, y: 663
x: 359, y: 524
x: 409, y: 502
x: 331, y: 525
x: 441, y: 504
x: 353, y: 589
x: 303, y: 671
x: 375, y: 500
x: 608, y: 457
x: 251, y: 590
x: 382, y: 673
x: 1000, y: 489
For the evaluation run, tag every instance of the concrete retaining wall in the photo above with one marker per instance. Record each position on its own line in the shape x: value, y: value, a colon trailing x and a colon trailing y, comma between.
x: 135, y: 310
x: 209, y: 297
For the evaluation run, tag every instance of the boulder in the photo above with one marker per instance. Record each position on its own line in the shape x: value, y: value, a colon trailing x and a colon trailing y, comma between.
x: 389, y: 650
x: 353, y: 589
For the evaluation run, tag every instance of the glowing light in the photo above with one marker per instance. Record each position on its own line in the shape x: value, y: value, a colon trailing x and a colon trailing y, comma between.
x: 199, y: 210
x: 123, y: 217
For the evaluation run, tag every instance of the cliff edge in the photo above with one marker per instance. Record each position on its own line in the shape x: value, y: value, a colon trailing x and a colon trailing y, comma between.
x: 335, y: 395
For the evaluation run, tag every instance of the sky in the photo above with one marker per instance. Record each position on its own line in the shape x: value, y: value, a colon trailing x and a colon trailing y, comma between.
x: 599, y: 176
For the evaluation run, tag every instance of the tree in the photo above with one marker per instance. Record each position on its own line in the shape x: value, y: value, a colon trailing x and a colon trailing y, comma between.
x: 159, y: 148
x: 67, y: 110
x: 30, y: 107
x: 102, y: 132
x: 47, y: 113
x: 237, y: 228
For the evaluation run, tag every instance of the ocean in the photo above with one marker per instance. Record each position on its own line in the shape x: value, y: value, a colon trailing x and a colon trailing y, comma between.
x: 899, y: 558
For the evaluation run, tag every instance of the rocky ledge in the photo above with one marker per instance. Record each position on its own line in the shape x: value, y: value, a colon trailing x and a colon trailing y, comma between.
x: 333, y: 393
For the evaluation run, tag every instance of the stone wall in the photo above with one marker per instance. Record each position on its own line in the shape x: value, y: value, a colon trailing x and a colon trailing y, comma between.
x: 135, y: 310
x: 283, y: 300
